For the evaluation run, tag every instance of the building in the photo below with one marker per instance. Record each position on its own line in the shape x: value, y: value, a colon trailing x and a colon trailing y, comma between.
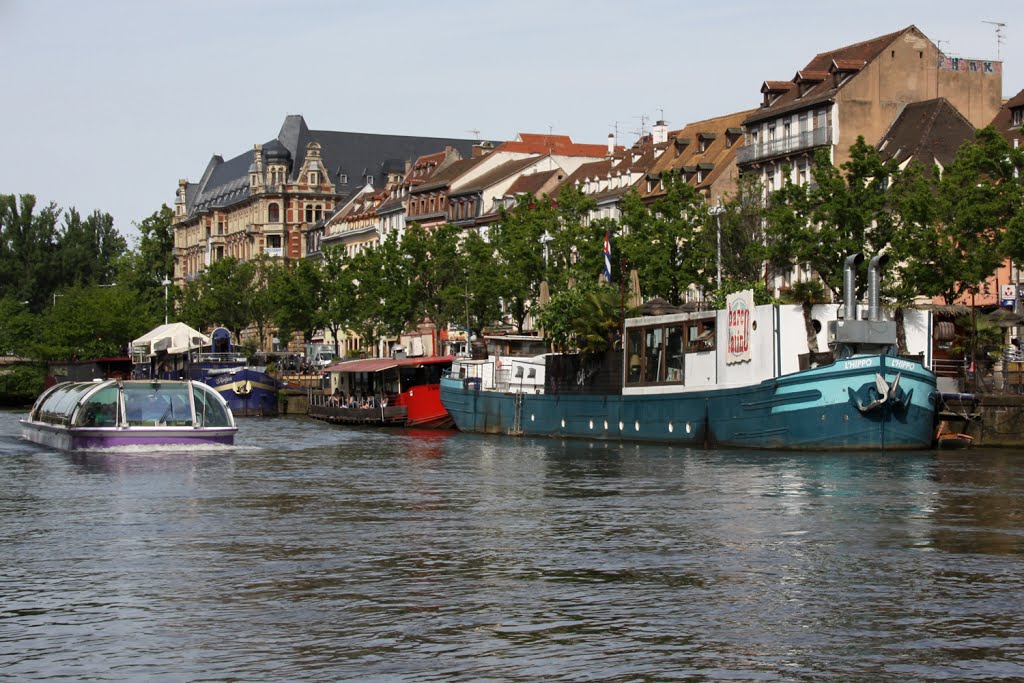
x: 703, y: 154
x: 265, y: 201
x: 859, y: 90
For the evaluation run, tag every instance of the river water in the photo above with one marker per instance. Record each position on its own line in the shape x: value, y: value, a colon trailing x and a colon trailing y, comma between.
x: 314, y: 552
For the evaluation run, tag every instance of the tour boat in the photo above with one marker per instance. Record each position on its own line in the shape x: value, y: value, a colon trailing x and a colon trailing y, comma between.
x: 133, y: 413
x: 402, y: 392
x: 743, y: 377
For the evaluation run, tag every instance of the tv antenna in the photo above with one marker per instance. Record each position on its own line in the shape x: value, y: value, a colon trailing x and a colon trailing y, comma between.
x: 475, y: 132
x: 938, y: 44
x: 1000, y: 25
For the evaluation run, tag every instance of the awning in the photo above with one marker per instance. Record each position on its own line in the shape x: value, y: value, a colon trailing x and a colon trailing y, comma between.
x: 378, y: 364
x: 363, y: 365
x: 172, y: 338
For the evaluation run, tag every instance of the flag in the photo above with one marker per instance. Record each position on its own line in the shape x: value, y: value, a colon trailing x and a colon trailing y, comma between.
x: 607, y: 257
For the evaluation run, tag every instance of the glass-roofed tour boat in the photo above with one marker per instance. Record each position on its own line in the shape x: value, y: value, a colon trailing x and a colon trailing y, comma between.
x: 113, y: 413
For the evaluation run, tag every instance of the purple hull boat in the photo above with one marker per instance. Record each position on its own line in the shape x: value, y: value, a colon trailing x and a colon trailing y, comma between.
x: 142, y: 414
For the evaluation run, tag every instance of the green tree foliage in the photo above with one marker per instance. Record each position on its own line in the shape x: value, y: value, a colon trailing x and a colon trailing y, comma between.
x: 337, y: 292
x: 29, y: 261
x: 520, y: 254
x: 587, y: 317
x: 670, y: 242
x: 483, y: 281
x: 743, y: 235
x: 956, y: 229
x: 849, y: 212
x: 439, y: 275
x: 144, y: 268
x: 90, y: 322
x: 89, y: 249
x: 300, y: 294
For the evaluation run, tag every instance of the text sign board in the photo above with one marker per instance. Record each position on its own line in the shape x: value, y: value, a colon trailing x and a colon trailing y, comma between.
x: 741, y: 310
x: 1008, y: 295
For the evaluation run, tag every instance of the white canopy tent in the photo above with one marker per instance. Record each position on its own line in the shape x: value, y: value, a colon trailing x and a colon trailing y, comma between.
x: 172, y: 338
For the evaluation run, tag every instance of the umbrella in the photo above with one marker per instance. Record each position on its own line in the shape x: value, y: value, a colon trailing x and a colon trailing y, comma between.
x: 1004, y: 318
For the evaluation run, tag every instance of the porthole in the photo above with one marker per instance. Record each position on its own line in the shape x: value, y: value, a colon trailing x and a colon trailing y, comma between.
x: 622, y: 425
x: 688, y: 428
x: 591, y: 424
x: 606, y: 425
x: 671, y: 427
x: 636, y: 426
x: 563, y: 424
x: 531, y: 418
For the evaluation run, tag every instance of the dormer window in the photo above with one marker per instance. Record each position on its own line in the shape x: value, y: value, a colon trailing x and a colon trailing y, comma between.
x: 369, y: 180
x: 343, y: 179
x: 1018, y: 117
x: 314, y: 178
x: 705, y: 140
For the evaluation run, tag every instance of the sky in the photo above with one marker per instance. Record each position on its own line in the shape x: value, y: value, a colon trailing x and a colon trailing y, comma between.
x: 108, y: 103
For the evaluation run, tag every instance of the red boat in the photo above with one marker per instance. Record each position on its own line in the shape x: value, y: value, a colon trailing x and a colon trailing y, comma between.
x: 403, y: 392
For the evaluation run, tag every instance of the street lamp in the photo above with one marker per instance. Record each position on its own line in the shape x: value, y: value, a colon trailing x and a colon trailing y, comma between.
x: 545, y: 240
x: 165, y: 282
x: 717, y: 210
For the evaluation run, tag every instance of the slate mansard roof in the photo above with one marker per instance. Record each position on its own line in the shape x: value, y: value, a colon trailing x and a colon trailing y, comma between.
x: 345, y: 155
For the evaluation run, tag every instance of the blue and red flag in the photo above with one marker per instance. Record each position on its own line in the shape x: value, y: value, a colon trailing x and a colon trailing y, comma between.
x: 607, y: 257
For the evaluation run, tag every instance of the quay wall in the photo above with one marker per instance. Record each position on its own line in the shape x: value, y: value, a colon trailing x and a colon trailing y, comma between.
x: 998, y: 421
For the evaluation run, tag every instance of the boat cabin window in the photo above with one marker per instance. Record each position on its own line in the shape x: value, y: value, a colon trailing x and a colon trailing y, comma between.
x: 701, y: 336
x: 57, y: 406
x: 210, y: 412
x: 634, y: 352
x: 152, y: 404
x: 654, y: 352
x: 657, y: 354
x: 100, y: 410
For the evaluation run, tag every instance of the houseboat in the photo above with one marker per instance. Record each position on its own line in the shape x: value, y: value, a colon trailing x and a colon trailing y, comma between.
x: 135, y: 413
x: 402, y: 392
x: 746, y: 377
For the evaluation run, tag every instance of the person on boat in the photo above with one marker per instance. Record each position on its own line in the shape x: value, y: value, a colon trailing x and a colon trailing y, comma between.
x: 336, y: 398
x: 371, y: 401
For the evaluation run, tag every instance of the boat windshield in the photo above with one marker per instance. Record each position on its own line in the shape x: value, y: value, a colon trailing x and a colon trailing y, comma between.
x: 151, y: 404
x: 210, y: 411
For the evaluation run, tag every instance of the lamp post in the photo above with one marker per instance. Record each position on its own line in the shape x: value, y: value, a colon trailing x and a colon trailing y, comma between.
x: 717, y: 210
x: 545, y: 240
x: 165, y: 282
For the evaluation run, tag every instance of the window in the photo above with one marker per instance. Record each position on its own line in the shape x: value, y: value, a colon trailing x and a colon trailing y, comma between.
x: 1018, y: 117
x: 675, y: 352
x: 653, y: 352
x: 273, y: 214
x: 314, y: 178
x: 369, y: 180
x: 700, y: 336
x: 343, y: 179
x: 309, y: 214
x: 634, y: 352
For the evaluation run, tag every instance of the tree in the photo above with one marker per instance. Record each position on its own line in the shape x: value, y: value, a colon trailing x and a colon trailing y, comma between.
x: 338, y: 292
x: 439, y: 280
x: 950, y: 224
x: 670, y: 242
x: 482, y: 281
x: 298, y: 296
x: 29, y: 265
x: 517, y: 241
x: 144, y: 268
x: 89, y: 249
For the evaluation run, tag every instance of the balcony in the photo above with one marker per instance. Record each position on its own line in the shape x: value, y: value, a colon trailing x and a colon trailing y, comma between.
x: 277, y: 252
x: 808, y: 140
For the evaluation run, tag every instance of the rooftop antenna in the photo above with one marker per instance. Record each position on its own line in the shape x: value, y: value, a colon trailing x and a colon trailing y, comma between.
x: 1000, y: 25
x: 938, y: 44
x: 475, y: 132
x: 615, y: 125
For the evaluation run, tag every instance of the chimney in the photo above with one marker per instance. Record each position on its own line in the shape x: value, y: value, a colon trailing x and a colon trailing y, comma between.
x: 875, y: 286
x: 659, y: 133
x: 611, y: 144
x: 850, y: 284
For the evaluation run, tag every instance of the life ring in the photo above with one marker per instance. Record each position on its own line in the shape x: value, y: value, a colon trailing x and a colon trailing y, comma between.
x: 243, y: 388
